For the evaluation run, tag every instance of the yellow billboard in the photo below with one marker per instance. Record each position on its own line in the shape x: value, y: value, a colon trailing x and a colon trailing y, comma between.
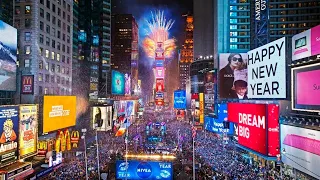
x: 201, y: 107
x: 58, y: 112
x: 28, y: 128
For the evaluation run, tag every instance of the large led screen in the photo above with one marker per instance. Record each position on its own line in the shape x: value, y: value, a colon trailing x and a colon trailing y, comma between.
x: 58, y: 112
x: 159, y: 85
x: 180, y: 100
x: 300, y: 148
x: 159, y: 72
x: 210, y: 92
x: 233, y: 76
x: 28, y: 130
x: 8, y: 57
x: 197, y: 83
x: 102, y: 118
x: 306, y: 88
x: 118, y: 83
x: 144, y: 170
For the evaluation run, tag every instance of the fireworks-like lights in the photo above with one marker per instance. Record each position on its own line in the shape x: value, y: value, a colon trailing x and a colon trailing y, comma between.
x: 158, y: 31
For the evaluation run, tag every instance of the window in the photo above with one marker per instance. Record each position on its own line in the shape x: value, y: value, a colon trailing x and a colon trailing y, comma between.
x: 52, y: 55
x: 41, y: 38
x: 48, y: 4
x: 64, y: 37
x: 69, y: 7
x: 68, y: 49
x: 27, y: 49
x: 58, y: 68
x: 67, y: 71
x: 68, y: 61
x: 53, y: 43
x: 40, y: 64
x: 63, y: 48
x: 40, y: 51
x: 63, y: 70
x: 41, y: 1
x: 27, y: 23
x: 27, y: 36
x: 41, y: 25
x: 40, y: 77
x: 53, y: 20
x: 17, y: 10
x: 59, y: 23
x: 68, y: 18
x: 58, y: 79
x: 59, y: 12
x: 58, y: 34
x: 48, y: 29
x: 47, y: 78
x: 58, y: 45
x: 68, y: 28
x: 64, y: 15
x: 63, y: 58
x: 47, y: 53
x: 41, y: 12
x: 54, y: 32
x: 64, y: 4
x: 40, y: 90
x: 46, y: 90
x: 52, y: 79
x: 48, y: 16
x: 53, y: 7
x: 28, y: 9
x: 47, y: 41
x: 53, y: 67
x: 62, y: 80
x: 17, y: 23
x: 58, y: 57
x: 27, y: 63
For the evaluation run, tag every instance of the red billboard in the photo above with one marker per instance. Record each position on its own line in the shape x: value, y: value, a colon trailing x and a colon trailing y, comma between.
x: 159, y: 85
x: 258, y: 126
x: 27, y: 84
x: 159, y: 102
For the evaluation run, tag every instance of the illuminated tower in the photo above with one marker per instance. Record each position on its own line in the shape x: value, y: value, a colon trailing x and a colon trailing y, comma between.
x: 159, y: 71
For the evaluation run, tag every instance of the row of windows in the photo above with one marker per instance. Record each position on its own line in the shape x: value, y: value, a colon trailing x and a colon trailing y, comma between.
x: 27, y: 9
x: 64, y: 28
x: 27, y: 23
x: 54, y: 56
x: 239, y: 46
x: 54, y: 91
x: 54, y: 68
x: 53, y: 6
x: 55, y: 44
x: 53, y: 79
x: 52, y: 18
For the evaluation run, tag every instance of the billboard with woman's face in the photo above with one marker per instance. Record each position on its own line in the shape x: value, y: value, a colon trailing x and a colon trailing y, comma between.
x: 233, y: 76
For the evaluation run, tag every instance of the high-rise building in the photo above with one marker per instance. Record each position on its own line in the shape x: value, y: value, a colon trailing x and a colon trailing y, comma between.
x: 93, y: 65
x: 6, y: 11
x: 125, y: 46
x: 186, y: 53
x: 45, y: 46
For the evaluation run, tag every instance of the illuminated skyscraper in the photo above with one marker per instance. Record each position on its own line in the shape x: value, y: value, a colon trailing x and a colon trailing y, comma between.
x: 6, y: 11
x: 186, y: 53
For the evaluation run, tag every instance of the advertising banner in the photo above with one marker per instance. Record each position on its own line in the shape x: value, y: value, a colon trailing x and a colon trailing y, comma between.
x: 58, y: 112
x: 8, y: 57
x: 102, y: 118
x: 28, y: 138
x: 300, y: 149
x: 180, y: 100
x: 144, y: 170
x: 210, y: 92
x: 159, y: 85
x: 27, y: 84
x: 216, y: 124
x: 197, y: 83
x: 267, y: 71
x: 159, y: 95
x: 305, y: 88
x: 117, y: 83
x: 306, y: 44
x: 9, y: 129
x: 201, y: 108
x: 233, y: 76
x: 254, y: 126
x: 159, y: 63
x: 75, y: 137
x: 159, y: 72
x: 127, y: 84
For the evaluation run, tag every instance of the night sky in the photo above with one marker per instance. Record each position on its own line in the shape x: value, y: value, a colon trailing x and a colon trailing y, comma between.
x: 174, y: 9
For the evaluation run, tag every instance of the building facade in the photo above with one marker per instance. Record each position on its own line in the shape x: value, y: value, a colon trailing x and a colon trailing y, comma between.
x: 186, y: 53
x: 45, y: 46
x: 6, y: 11
x: 125, y: 47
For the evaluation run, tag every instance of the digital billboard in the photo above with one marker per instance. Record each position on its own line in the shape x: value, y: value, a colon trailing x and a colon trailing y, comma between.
x: 127, y: 84
x: 256, y: 122
x: 9, y: 128
x: 180, y: 100
x: 58, y: 112
x: 197, y: 83
x: 159, y: 63
x: 144, y: 170
x: 306, y: 44
x: 8, y: 57
x: 159, y: 85
x: 201, y: 108
x: 216, y: 124
x: 267, y: 71
x: 28, y: 138
x: 304, y: 88
x: 159, y: 72
x: 117, y: 83
x: 210, y: 92
x: 300, y: 149
x: 102, y: 118
x: 27, y: 84
x: 233, y: 76
x: 159, y: 95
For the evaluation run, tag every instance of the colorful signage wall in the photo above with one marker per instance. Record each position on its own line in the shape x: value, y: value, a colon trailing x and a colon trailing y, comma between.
x: 58, y: 112
x: 159, y: 72
x: 216, y: 124
x: 27, y: 84
x: 306, y: 43
x: 102, y: 118
x: 28, y: 138
x: 180, y: 100
x: 117, y: 83
x: 144, y: 170
x: 256, y: 123
x: 9, y: 129
x: 267, y: 71
x: 8, y: 57
x: 233, y: 76
x: 300, y: 149
x: 210, y: 92
x: 306, y: 88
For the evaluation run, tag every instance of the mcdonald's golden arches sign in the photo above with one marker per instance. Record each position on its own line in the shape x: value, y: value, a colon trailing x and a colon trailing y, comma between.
x: 27, y: 84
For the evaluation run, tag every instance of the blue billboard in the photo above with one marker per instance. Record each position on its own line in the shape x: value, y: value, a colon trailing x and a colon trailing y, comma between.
x: 118, y: 83
x: 159, y: 63
x: 180, y: 100
x: 216, y: 124
x: 144, y: 170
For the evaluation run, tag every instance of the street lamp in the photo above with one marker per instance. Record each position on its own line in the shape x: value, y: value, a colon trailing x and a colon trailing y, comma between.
x: 85, y: 150
x: 98, y: 159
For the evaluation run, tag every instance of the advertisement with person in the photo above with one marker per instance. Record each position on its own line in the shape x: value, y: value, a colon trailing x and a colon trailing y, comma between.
x: 180, y: 101
x: 58, y: 112
x: 267, y: 71
x: 197, y: 83
x: 300, y: 149
x: 305, y: 87
x: 210, y: 92
x: 9, y: 128
x: 8, y: 57
x: 159, y: 72
x: 117, y: 83
x: 28, y: 138
x: 102, y: 118
x: 144, y: 170
x: 253, y: 126
x: 233, y: 76
x: 159, y: 85
x: 127, y: 84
